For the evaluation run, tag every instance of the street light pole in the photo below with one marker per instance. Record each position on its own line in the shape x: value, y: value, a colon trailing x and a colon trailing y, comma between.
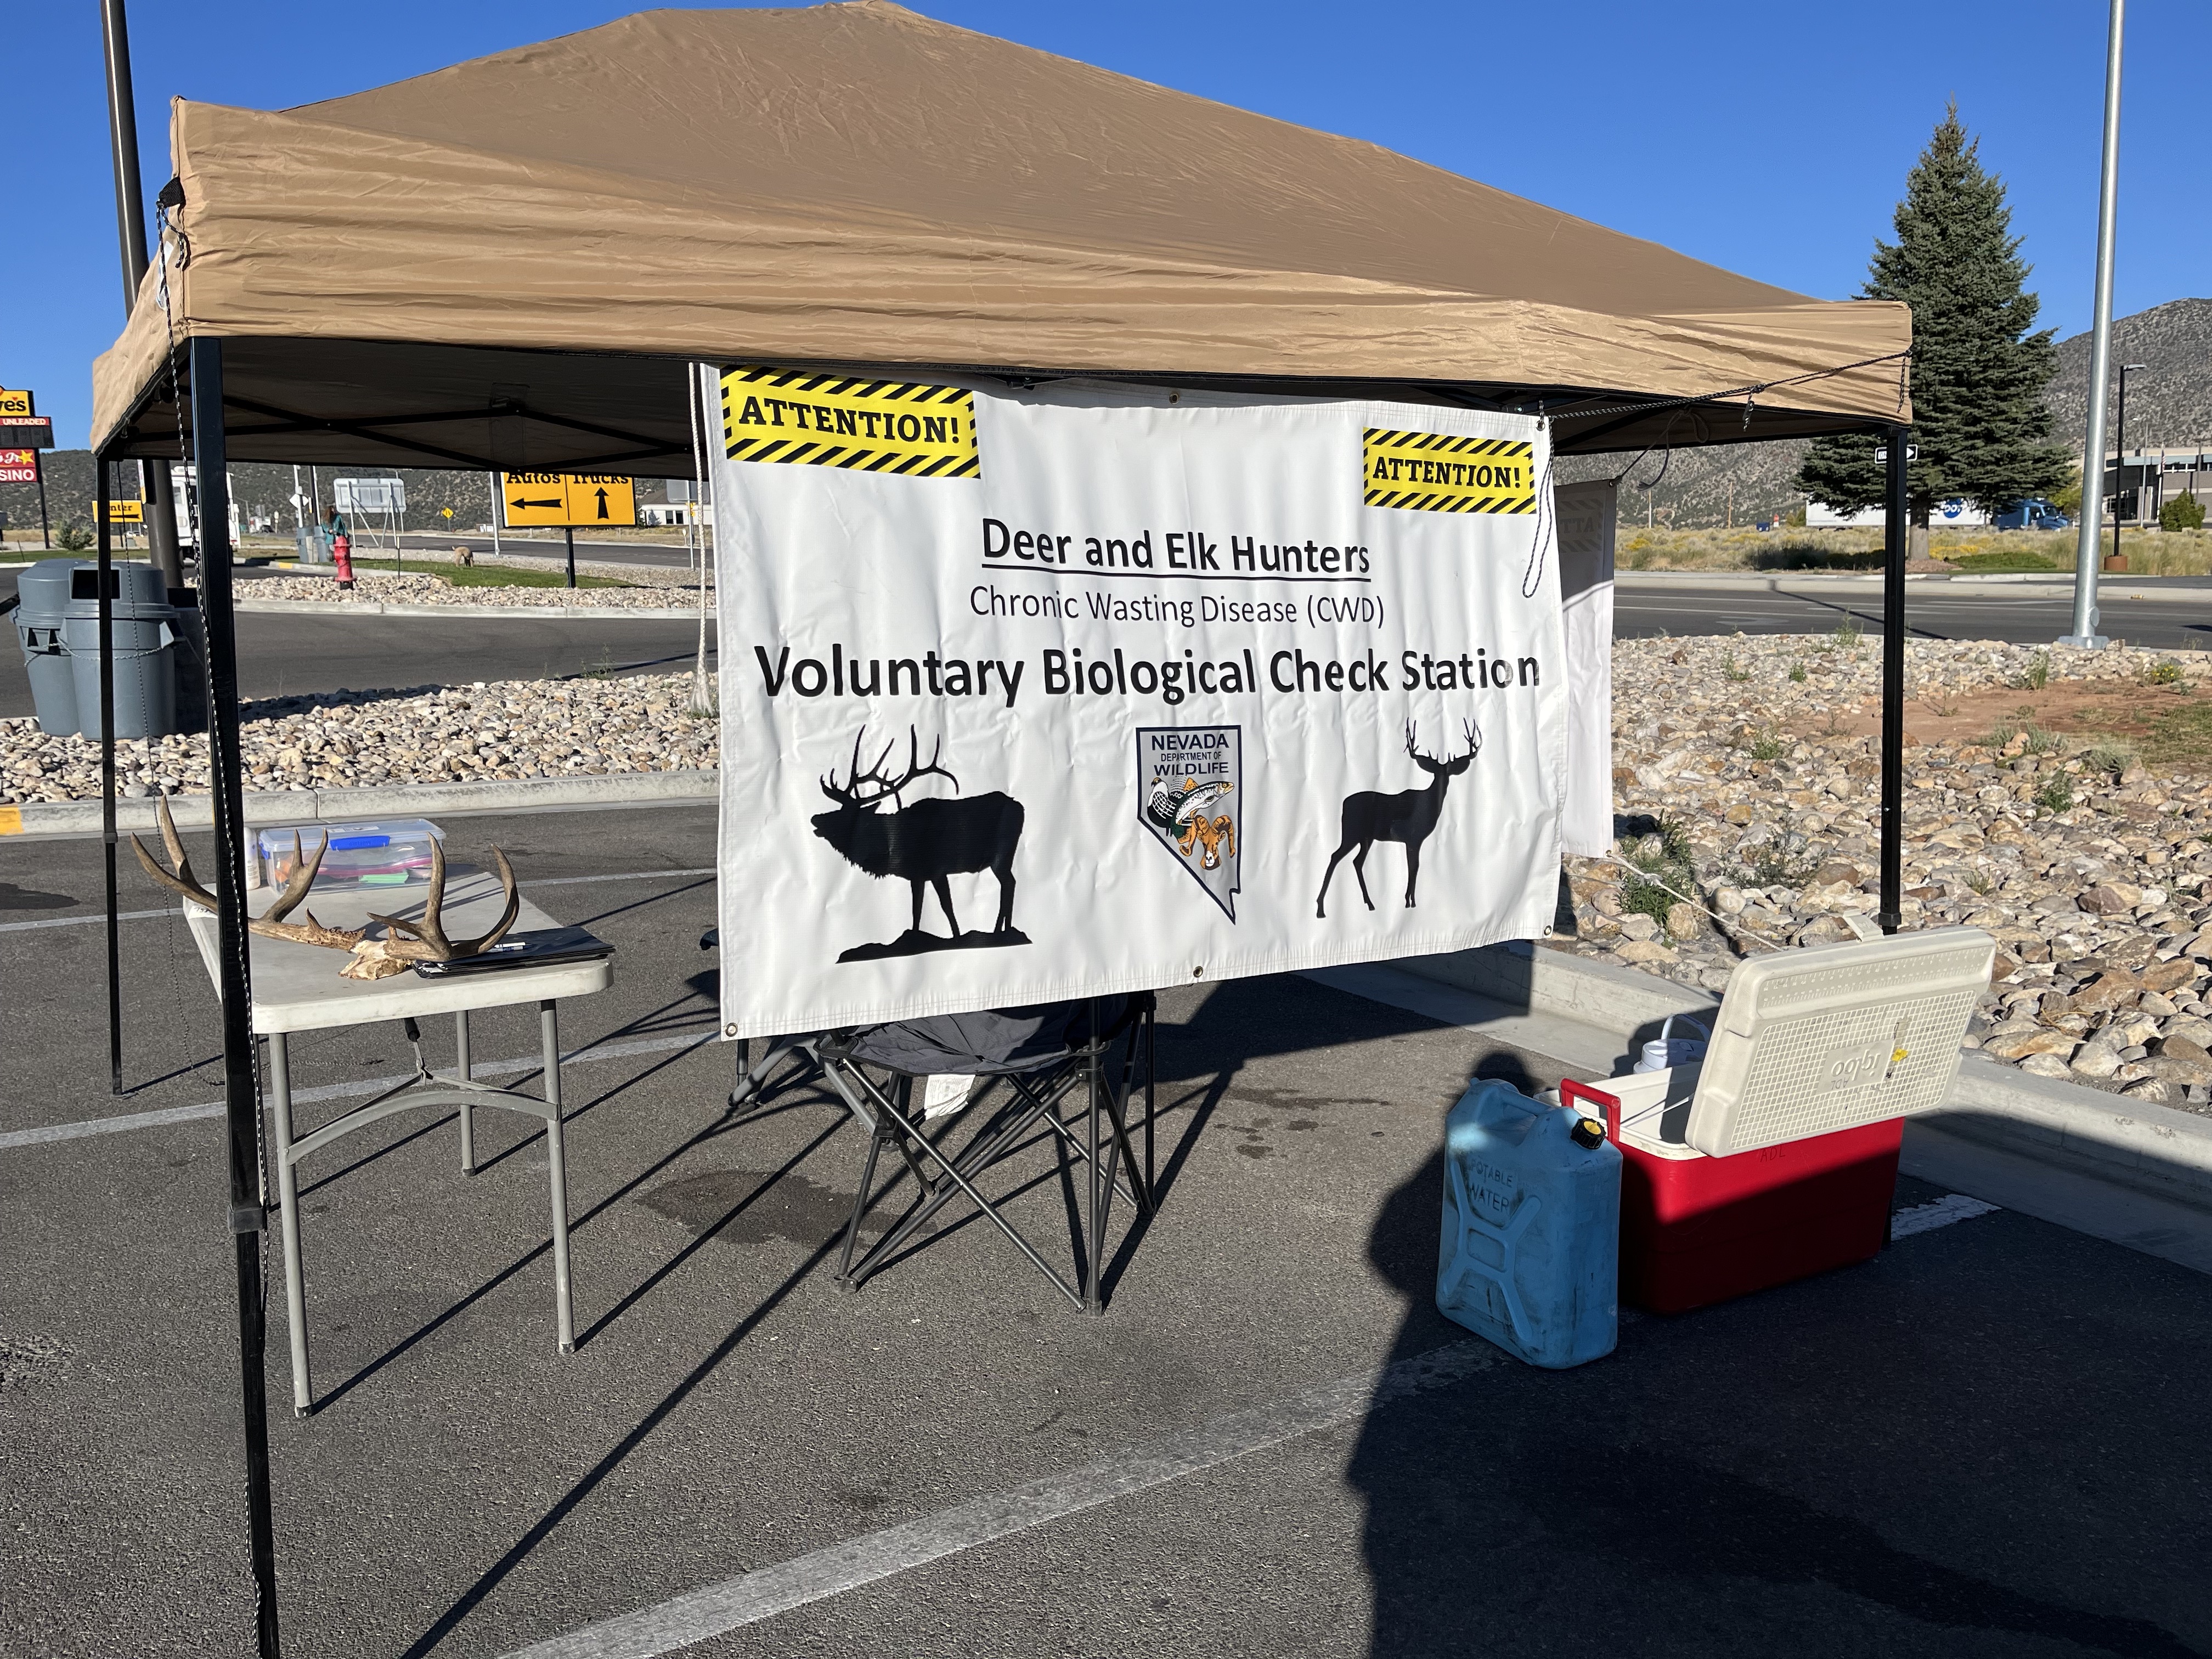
x: 160, y: 508
x: 2088, y: 533
x: 2120, y: 451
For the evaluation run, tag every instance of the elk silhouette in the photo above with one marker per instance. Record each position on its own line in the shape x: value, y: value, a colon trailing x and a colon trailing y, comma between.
x: 1407, y: 817
x: 927, y: 841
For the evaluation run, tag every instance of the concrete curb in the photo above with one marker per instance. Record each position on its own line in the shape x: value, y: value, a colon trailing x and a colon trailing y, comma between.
x: 80, y: 818
x: 1522, y: 975
x: 2130, y: 1143
x: 553, y: 612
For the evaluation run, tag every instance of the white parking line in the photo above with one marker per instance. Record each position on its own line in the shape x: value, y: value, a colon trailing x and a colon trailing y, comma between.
x: 702, y: 1614
x: 375, y: 1085
x: 84, y: 921
x: 1926, y: 1218
x: 147, y: 915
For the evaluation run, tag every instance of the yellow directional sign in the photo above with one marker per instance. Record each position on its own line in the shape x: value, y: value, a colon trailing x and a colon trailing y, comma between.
x: 126, y: 512
x: 15, y: 402
x: 539, y: 500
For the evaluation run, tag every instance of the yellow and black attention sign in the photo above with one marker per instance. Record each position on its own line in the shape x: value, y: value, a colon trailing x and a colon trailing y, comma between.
x: 832, y: 420
x: 126, y: 512
x: 1440, y: 472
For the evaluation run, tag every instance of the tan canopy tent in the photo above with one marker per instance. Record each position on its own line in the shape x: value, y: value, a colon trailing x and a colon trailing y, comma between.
x: 508, y: 263
x: 408, y: 274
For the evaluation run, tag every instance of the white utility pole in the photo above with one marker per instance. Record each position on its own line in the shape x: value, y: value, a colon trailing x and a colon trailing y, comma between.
x: 2089, y: 530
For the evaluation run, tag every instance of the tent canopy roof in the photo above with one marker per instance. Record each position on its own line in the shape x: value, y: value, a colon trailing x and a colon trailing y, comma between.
x: 409, y: 275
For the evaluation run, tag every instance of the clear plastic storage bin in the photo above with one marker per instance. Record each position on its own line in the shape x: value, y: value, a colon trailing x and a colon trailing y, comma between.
x: 389, y: 853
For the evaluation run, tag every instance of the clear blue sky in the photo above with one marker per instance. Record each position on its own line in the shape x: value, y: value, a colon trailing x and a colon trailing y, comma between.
x: 1771, y: 139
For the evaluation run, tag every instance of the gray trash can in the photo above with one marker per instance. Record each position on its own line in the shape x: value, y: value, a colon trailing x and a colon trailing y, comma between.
x: 43, y: 592
x: 144, y: 644
x: 192, y: 660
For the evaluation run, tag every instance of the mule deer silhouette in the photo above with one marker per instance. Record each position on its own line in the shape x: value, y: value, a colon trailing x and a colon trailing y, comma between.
x: 927, y: 841
x: 1407, y: 817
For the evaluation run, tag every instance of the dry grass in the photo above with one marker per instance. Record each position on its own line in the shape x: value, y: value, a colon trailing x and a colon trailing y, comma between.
x: 2149, y: 552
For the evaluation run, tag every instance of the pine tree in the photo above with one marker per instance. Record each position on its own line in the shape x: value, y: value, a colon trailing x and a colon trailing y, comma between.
x: 1980, y: 425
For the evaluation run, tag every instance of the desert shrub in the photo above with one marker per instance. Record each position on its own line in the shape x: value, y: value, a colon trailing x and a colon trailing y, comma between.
x: 2110, y: 756
x: 1658, y: 862
x: 2184, y: 511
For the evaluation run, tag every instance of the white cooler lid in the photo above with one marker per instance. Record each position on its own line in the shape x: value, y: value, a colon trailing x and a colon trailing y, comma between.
x: 1810, y: 1041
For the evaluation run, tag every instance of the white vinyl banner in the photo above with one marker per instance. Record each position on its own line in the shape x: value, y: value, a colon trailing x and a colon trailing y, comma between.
x: 1029, y: 694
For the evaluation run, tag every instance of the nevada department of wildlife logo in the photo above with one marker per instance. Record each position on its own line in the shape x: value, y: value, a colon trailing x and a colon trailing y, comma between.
x: 1190, y: 794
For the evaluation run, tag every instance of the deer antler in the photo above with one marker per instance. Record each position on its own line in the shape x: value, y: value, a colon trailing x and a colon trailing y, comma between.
x: 1473, y: 735
x: 377, y: 958
x: 1415, y: 753
x: 270, y: 925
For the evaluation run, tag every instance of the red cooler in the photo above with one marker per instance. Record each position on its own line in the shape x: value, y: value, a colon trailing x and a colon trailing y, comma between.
x: 1775, y: 1157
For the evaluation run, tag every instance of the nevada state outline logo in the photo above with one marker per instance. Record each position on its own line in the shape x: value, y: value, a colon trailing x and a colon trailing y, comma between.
x: 1190, y: 794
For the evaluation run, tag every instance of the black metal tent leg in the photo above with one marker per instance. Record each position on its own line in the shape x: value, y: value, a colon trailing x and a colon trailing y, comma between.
x: 1895, y: 541
x: 1151, y: 1066
x: 106, y: 578
x: 1093, y: 1242
x: 241, y: 1094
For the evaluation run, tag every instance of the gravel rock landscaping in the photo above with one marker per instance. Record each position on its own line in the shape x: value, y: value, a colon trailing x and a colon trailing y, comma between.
x: 648, y: 587
x: 444, y: 734
x: 1747, y: 789
x: 1748, y: 780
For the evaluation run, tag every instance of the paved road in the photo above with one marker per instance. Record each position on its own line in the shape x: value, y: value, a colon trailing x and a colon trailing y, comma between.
x: 290, y: 655
x: 287, y: 655
x: 1933, y: 612
x: 1986, y: 1443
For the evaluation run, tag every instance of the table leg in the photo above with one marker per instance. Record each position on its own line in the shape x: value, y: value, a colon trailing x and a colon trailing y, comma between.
x: 557, y: 1173
x: 461, y: 1062
x: 287, y: 1211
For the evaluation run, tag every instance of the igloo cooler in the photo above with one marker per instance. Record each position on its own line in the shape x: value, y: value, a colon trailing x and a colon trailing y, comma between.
x: 1775, y: 1157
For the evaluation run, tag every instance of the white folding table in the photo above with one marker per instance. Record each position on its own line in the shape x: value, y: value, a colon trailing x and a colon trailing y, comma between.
x: 297, y: 988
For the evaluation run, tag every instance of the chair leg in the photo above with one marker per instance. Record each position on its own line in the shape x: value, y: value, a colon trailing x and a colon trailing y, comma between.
x: 1067, y: 1136
x: 844, y: 1274
x: 981, y: 1153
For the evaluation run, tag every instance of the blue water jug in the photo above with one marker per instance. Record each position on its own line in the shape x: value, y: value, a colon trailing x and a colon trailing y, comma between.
x: 1530, y: 1254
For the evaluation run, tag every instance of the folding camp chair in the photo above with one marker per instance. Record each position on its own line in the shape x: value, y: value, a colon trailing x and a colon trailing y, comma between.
x: 1043, y: 1054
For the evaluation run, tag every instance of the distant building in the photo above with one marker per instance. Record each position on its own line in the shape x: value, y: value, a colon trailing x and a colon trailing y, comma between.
x: 2144, y: 480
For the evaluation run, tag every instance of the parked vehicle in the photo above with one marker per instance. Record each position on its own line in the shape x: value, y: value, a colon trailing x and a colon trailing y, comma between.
x: 2034, y: 513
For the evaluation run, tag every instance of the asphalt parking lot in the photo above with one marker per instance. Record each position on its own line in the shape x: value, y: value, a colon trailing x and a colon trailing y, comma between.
x: 1986, y: 1442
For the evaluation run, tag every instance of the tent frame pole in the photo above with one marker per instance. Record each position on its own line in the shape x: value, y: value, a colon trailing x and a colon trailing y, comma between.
x: 106, y: 579
x: 1894, y: 534
x: 249, y: 1218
